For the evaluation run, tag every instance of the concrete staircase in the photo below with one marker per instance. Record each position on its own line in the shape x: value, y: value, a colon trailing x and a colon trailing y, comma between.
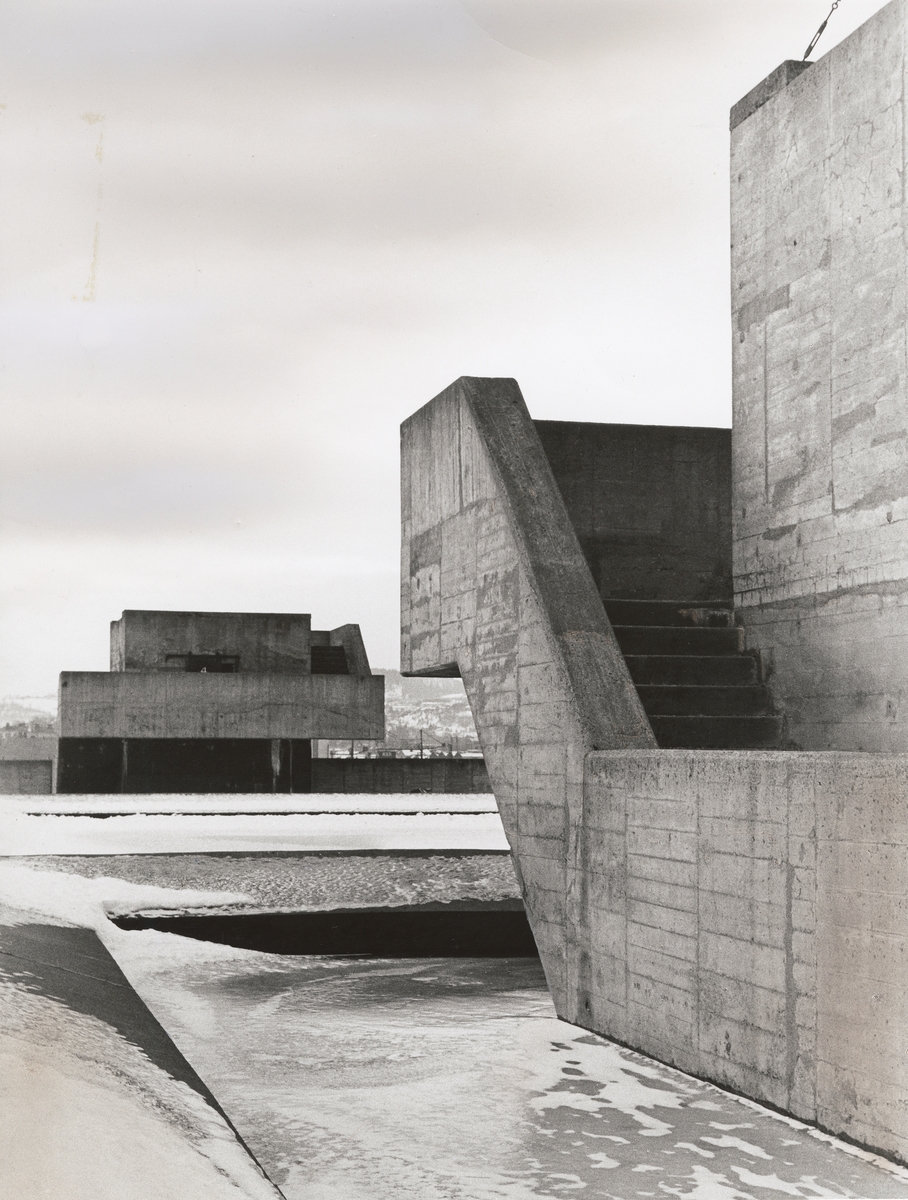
x: 698, y: 685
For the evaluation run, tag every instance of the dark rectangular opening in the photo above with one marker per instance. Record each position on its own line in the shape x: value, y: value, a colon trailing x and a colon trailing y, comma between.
x: 218, y: 664
x: 329, y: 660
x: 184, y: 765
x: 424, y: 932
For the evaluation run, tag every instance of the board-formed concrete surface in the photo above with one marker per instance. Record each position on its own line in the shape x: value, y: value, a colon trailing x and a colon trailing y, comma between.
x: 747, y: 914
x: 820, y: 308
x: 248, y: 704
x: 494, y: 586
x: 688, y: 903
x: 650, y: 504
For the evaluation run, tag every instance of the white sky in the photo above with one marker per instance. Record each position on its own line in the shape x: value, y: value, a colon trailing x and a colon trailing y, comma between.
x: 242, y: 240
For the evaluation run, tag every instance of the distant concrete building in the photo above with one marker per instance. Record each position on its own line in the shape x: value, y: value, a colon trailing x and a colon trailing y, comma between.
x: 26, y: 763
x: 213, y: 702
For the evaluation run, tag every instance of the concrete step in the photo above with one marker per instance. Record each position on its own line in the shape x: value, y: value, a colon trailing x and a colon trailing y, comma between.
x: 718, y: 733
x: 690, y: 669
x: 705, y: 701
x: 668, y: 639
x: 669, y: 612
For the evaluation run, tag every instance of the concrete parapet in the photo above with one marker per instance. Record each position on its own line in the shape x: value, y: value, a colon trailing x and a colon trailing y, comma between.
x: 146, y: 640
x: 745, y: 919
x: 495, y: 587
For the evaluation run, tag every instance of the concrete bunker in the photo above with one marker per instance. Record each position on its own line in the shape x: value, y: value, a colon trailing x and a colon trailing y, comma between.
x: 214, y: 702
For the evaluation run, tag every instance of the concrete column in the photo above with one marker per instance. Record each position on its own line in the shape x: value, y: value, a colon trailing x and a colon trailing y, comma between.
x: 820, y: 445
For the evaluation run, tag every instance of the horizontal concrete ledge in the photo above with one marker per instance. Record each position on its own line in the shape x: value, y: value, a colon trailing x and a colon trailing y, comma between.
x: 865, y: 758
x: 778, y: 79
x: 164, y: 704
x: 231, y: 804
x: 445, y: 671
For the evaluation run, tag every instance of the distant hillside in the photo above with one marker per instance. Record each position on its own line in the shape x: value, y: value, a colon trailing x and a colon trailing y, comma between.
x: 35, y: 712
x: 437, y: 708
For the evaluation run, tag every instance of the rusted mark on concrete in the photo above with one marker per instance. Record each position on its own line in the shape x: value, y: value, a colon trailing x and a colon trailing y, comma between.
x: 775, y: 82
x: 855, y: 416
x: 755, y: 311
x: 779, y: 531
x: 887, y: 492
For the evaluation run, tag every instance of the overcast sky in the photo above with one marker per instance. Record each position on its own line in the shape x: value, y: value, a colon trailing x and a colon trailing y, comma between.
x: 242, y: 240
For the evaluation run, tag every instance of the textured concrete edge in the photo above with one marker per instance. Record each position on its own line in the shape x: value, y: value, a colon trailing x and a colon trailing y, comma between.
x: 774, y: 82
x: 607, y: 701
x: 61, y: 959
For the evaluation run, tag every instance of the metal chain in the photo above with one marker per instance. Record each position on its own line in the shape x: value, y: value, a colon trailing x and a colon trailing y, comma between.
x: 819, y: 32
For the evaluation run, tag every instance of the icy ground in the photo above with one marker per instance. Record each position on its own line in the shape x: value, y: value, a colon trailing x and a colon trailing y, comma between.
x: 229, y: 824
x: 368, y: 1079
x: 362, y: 1079
x: 453, y: 1080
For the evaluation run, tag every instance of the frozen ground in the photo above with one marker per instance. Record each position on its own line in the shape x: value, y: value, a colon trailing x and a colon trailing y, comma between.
x: 453, y: 1080
x: 368, y: 1079
x: 272, y: 883
x: 23, y: 833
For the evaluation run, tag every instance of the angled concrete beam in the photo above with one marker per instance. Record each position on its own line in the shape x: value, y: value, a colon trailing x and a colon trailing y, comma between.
x: 496, y: 588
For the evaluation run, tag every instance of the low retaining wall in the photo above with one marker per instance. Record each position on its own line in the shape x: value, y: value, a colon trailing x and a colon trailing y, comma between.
x: 745, y: 918
x: 399, y: 775
x: 26, y: 777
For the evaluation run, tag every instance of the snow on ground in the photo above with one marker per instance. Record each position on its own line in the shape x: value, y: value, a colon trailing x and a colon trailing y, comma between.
x: 440, y: 1079
x: 24, y: 834
x: 353, y: 1079
x: 88, y: 1117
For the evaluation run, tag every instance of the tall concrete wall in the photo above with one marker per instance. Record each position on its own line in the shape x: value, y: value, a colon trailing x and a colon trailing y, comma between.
x: 821, y: 388
x: 494, y: 585
x: 650, y: 504
x: 747, y: 918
